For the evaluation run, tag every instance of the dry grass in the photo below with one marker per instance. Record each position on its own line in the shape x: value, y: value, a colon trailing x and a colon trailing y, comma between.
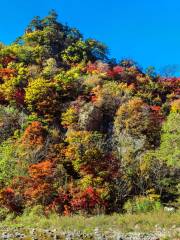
x: 144, y: 222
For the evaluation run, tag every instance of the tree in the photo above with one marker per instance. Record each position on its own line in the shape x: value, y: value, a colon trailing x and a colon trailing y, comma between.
x: 79, y: 132
x: 169, y: 150
x: 136, y: 130
x: 8, y: 162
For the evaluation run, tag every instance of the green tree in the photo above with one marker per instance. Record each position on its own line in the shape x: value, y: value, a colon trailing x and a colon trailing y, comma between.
x: 169, y: 150
x: 8, y: 162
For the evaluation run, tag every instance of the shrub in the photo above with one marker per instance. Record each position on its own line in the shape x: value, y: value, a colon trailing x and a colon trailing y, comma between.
x: 142, y: 204
x: 3, y: 213
x: 37, y: 210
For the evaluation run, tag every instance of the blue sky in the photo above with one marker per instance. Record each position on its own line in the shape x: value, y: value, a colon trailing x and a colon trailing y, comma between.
x: 146, y: 30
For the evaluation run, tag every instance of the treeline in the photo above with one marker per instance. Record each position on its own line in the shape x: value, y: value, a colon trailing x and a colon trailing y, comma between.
x: 80, y: 132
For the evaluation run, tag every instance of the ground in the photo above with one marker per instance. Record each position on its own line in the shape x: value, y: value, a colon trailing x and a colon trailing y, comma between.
x: 143, y: 226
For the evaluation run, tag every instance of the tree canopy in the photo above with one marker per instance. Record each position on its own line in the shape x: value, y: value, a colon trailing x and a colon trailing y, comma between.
x: 79, y: 131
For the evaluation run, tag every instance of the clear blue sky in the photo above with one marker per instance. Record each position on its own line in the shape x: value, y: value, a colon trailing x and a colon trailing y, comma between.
x: 146, y: 30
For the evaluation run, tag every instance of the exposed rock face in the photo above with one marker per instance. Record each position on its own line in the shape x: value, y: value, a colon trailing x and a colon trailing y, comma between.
x: 128, y: 145
x: 90, y: 117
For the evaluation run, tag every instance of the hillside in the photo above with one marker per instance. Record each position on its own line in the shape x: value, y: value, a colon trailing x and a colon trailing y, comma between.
x: 80, y: 132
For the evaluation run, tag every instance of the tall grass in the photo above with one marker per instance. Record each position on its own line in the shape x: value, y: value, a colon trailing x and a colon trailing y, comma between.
x: 144, y: 222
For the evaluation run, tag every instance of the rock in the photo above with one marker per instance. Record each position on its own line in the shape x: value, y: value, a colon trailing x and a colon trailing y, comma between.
x: 169, y: 209
x: 56, y: 237
x: 6, y: 236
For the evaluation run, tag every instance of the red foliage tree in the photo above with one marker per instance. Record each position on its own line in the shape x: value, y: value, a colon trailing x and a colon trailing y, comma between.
x: 87, y: 200
x: 40, y: 187
x: 35, y: 134
x: 6, y: 73
x: 11, y: 200
x: 19, y: 96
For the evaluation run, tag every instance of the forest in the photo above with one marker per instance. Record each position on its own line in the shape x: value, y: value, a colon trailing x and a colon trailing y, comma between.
x: 81, y: 132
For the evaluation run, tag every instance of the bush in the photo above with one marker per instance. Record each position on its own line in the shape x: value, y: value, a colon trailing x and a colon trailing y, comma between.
x: 37, y: 210
x: 142, y: 204
x: 3, y: 213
